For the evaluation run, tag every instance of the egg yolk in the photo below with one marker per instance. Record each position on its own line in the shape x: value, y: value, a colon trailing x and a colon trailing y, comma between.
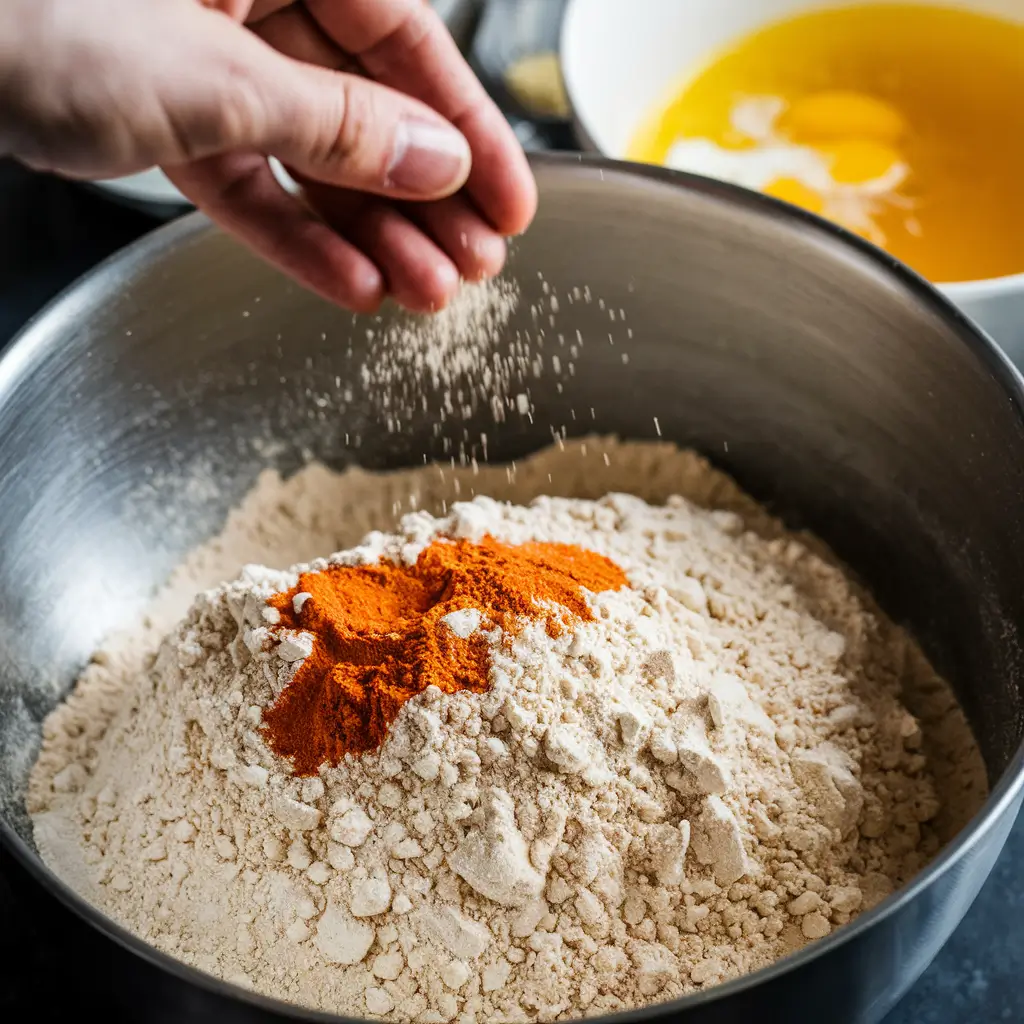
x: 904, y: 122
x: 842, y: 114
x: 789, y: 190
x: 857, y: 161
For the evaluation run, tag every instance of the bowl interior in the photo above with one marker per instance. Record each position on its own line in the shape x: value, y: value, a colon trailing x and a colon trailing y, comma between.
x: 844, y: 393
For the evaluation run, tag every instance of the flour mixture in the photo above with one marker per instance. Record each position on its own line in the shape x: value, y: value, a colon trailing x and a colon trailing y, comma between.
x: 522, y: 761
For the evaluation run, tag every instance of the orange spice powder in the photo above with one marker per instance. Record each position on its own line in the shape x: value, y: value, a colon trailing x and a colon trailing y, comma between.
x: 379, y: 639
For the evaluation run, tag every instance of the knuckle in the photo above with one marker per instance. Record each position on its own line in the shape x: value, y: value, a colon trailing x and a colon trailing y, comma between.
x: 347, y: 138
x: 239, y: 112
x: 229, y: 116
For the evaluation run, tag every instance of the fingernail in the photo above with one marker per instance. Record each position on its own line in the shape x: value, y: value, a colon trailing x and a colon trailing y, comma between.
x: 429, y: 159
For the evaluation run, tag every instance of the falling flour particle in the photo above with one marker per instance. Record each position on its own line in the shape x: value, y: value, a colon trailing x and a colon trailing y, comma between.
x: 482, y: 352
x: 719, y: 767
x: 460, y: 345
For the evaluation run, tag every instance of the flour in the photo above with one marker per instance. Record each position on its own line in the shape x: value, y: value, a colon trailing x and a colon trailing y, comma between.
x: 468, y: 357
x: 453, y: 356
x: 716, y: 770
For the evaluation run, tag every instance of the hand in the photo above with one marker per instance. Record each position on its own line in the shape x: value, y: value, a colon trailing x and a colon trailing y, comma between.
x: 410, y: 174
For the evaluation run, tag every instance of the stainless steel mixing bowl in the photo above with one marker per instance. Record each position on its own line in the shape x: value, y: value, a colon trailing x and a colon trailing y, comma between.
x: 835, y: 385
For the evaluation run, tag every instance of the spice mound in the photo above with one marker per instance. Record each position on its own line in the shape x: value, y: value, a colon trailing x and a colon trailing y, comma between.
x: 372, y: 636
x: 521, y: 762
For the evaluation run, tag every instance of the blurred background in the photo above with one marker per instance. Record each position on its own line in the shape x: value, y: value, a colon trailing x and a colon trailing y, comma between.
x: 52, y: 231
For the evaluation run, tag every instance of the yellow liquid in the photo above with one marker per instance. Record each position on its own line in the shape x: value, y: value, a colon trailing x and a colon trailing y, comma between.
x: 955, y: 78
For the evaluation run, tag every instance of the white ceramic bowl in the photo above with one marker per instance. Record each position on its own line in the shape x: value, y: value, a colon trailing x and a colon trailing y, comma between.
x: 620, y: 60
x: 153, y: 192
x: 150, y: 191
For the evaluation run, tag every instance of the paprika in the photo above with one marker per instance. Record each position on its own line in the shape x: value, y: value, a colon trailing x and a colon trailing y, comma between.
x: 379, y: 638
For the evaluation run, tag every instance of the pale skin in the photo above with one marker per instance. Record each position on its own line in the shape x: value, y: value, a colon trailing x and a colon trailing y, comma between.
x: 411, y: 176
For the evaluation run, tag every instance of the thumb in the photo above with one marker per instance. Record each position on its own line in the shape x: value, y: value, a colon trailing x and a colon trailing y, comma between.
x: 342, y: 129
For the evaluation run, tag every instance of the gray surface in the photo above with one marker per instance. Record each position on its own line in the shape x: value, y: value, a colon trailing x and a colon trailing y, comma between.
x: 977, y: 977
x: 847, y: 396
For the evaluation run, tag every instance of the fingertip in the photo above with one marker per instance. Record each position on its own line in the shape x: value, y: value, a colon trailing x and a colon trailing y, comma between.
x: 445, y: 282
x: 459, y: 229
x: 364, y: 290
x: 501, y: 180
x: 417, y: 274
x: 432, y: 289
x: 523, y: 203
x: 488, y: 257
x: 516, y: 204
x: 332, y: 267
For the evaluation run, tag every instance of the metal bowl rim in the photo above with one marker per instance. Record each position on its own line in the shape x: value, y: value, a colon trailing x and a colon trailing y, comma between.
x: 39, y: 332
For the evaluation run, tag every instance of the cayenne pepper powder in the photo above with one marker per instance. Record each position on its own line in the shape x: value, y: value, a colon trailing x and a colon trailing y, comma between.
x: 379, y: 639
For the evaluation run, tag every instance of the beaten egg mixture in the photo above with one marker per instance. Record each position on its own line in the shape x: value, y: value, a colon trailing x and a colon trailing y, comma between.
x: 904, y: 123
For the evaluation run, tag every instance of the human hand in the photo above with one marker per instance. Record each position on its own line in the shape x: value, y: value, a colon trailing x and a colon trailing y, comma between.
x: 410, y: 174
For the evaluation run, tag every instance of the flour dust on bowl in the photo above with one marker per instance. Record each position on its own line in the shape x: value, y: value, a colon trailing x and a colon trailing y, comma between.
x: 703, y: 747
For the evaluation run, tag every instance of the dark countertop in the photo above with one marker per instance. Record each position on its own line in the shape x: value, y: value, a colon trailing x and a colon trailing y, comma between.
x: 52, y: 965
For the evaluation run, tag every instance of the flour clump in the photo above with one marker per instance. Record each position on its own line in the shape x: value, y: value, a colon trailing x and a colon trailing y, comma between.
x: 537, y: 760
